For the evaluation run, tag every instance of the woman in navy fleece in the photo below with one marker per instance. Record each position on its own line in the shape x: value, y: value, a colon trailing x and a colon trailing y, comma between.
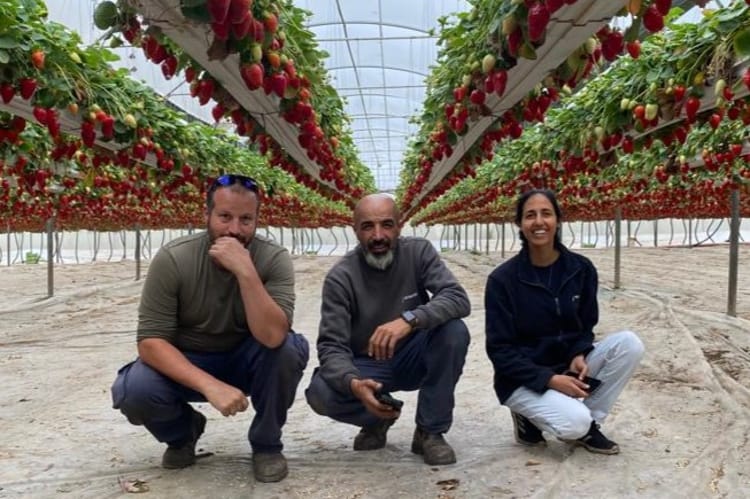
x: 541, y: 309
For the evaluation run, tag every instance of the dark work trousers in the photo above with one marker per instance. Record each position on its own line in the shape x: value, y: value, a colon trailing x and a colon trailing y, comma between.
x: 269, y: 376
x: 431, y: 361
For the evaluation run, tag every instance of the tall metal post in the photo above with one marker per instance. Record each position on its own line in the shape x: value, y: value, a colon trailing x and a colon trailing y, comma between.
x: 734, y: 248
x: 50, y: 257
x: 137, y: 253
x: 618, y: 223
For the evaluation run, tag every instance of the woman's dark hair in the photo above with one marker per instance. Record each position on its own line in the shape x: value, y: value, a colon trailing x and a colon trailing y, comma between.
x: 555, y: 206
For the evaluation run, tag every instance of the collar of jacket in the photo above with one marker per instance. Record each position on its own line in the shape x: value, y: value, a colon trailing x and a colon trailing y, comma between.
x: 527, y: 274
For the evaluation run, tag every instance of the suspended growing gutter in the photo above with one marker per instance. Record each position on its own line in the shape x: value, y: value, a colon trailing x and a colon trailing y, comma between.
x: 567, y: 30
x: 195, y: 39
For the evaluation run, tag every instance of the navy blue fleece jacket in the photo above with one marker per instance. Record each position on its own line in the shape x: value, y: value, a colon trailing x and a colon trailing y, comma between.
x: 533, y: 333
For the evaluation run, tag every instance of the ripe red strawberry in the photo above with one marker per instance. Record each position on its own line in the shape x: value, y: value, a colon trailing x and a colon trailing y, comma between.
x: 205, y: 91
x: 40, y: 113
x: 663, y: 6
x: 477, y: 97
x: 242, y: 29
x: 678, y: 92
x: 252, y: 74
x: 554, y: 5
x: 515, y: 38
x: 691, y: 108
x: 259, y: 30
x: 88, y: 134
x: 190, y: 74
x: 499, y: 82
x: 7, y: 92
x: 238, y: 10
x: 218, y: 9
x: 537, y: 19
x: 218, y: 111
x: 139, y: 151
x: 27, y: 87
x: 634, y: 48
x: 221, y: 30
x: 714, y: 120
x: 627, y: 145
x: 37, y: 59
x: 270, y: 22
x: 18, y: 123
x: 653, y: 20
x: 169, y: 67
x: 108, y: 127
x: 612, y: 45
x: 746, y: 77
x: 279, y: 82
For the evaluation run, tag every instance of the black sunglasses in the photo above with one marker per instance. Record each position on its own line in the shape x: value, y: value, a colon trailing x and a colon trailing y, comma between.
x: 231, y: 179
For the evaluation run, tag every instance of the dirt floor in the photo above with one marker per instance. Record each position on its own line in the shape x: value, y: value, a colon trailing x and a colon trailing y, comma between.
x: 682, y: 423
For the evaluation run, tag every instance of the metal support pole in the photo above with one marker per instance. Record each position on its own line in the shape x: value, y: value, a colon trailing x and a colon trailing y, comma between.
x: 50, y: 257
x: 137, y: 253
x: 618, y: 223
x: 656, y: 233
x: 734, y: 247
x: 502, y: 240
x: 487, y: 239
x: 7, y: 243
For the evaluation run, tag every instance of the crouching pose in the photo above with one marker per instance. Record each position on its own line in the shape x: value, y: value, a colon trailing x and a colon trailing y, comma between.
x: 390, y: 321
x: 214, y: 325
x: 541, y: 308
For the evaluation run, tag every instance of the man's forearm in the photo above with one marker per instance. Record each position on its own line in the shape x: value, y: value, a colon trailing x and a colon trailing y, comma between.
x: 266, y: 320
x: 169, y: 361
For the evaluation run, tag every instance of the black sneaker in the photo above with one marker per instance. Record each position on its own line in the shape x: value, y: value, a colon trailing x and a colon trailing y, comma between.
x: 595, y: 441
x: 525, y: 431
x: 182, y: 456
x: 373, y: 437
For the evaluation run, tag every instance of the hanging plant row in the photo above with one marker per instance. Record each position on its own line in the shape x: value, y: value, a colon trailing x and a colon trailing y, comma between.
x: 497, y: 72
x: 260, y: 69
x: 673, y: 118
x: 90, y: 146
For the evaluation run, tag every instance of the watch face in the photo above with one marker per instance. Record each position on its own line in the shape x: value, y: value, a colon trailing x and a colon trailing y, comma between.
x: 409, y: 317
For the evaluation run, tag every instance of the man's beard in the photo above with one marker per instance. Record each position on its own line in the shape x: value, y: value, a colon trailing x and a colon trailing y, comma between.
x: 380, y: 262
x: 213, y: 236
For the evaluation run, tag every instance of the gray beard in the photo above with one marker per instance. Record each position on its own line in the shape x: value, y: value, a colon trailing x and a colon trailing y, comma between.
x: 379, y: 262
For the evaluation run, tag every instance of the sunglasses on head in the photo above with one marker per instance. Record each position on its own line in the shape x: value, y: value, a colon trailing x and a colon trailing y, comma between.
x: 231, y: 179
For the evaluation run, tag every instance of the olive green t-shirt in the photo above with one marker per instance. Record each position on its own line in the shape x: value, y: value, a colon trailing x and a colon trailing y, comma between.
x: 196, y: 305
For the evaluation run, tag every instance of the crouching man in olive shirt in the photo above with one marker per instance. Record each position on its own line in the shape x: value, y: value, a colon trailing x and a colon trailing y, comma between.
x: 390, y: 320
x: 214, y: 325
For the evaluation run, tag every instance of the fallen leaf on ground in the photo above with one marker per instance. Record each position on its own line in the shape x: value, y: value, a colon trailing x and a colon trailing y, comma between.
x: 449, y: 484
x: 135, y: 486
x: 533, y: 462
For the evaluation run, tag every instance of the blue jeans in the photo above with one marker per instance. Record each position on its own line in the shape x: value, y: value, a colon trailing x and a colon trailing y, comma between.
x: 269, y: 376
x: 613, y: 360
x: 431, y: 361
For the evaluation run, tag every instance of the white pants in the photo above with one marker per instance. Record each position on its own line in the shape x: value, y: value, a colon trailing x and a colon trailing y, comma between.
x: 613, y: 360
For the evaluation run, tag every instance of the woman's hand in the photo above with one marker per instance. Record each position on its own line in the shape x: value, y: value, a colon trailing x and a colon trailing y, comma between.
x: 578, y: 365
x: 568, y: 385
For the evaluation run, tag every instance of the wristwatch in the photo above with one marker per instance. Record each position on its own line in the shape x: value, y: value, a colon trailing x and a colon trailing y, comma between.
x: 410, y: 318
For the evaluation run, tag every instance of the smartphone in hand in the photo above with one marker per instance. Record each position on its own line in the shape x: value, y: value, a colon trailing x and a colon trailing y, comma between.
x: 592, y: 382
x: 387, y: 399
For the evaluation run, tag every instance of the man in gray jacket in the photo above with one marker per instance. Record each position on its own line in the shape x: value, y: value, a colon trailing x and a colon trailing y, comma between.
x: 390, y: 320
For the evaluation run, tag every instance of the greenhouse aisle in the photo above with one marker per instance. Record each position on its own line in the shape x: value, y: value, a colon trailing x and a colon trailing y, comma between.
x: 682, y: 423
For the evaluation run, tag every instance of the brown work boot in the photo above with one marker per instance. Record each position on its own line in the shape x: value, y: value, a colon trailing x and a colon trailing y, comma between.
x: 182, y: 456
x: 269, y: 466
x: 433, y: 447
x: 373, y: 437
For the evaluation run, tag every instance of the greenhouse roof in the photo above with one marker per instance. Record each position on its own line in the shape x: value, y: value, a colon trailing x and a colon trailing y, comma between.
x: 379, y: 55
